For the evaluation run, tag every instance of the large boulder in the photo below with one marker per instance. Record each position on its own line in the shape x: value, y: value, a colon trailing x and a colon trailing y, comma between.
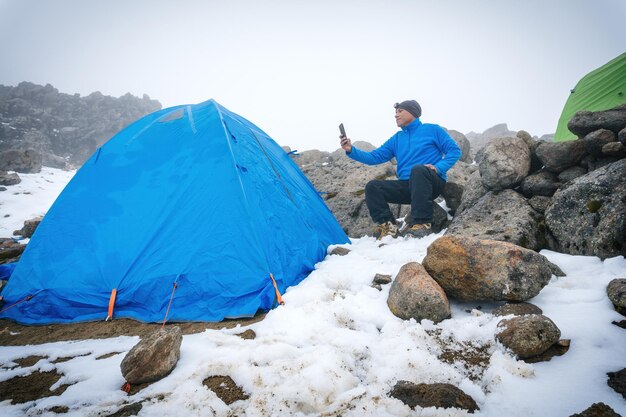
x: 463, y: 144
x: 458, y: 177
x: 543, y: 183
x: 342, y: 182
x: 571, y: 174
x: 585, y: 122
x: 558, y: 156
x: 472, y: 269
x: 414, y: 294
x: 153, y: 358
x: 505, y: 163
x: 24, y: 161
x: 504, y: 216
x: 595, y: 140
x: 528, y: 335
x: 433, y: 395
x: 588, y: 215
x: 473, y: 191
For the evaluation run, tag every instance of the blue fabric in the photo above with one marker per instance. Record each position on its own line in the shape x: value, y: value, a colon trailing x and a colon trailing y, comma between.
x: 195, y: 195
x: 416, y: 144
x: 6, y: 270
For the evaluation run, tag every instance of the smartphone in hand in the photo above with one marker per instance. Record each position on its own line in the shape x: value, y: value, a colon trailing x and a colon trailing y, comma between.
x: 342, y: 131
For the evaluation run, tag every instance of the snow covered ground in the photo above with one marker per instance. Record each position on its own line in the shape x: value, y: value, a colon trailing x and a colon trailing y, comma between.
x: 335, y: 348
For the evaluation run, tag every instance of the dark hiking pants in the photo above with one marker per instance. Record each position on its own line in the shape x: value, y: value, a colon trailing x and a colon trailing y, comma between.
x: 423, y: 186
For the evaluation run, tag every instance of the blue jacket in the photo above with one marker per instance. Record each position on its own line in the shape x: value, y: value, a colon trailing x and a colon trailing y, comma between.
x: 416, y: 144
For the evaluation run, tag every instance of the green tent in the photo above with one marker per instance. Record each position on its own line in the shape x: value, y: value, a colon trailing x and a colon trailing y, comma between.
x: 601, y: 89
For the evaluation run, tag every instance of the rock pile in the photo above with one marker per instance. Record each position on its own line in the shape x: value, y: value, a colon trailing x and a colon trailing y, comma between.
x: 62, y: 128
x: 571, y: 201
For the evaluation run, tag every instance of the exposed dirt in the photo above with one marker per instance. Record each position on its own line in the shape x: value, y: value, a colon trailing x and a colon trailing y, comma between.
x: 22, y: 389
x: 225, y: 388
x: 13, y: 334
x: 37, y: 385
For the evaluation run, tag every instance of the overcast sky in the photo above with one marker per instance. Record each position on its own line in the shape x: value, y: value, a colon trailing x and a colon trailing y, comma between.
x: 299, y: 68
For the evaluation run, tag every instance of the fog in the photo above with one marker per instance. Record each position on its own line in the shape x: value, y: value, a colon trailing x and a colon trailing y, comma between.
x: 297, y: 69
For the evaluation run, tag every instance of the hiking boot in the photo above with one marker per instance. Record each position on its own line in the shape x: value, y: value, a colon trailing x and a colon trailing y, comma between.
x: 385, y: 229
x: 418, y: 230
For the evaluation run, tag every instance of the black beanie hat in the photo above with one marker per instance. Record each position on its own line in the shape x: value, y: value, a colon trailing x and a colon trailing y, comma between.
x: 411, y: 106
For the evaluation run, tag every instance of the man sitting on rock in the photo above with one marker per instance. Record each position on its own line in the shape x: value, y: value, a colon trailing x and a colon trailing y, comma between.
x: 424, y: 153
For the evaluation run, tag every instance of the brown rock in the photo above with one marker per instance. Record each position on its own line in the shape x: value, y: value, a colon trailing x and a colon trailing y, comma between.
x: 472, y: 269
x: 340, y: 251
x: 29, y: 227
x: 153, y: 357
x: 616, y: 290
x: 529, y: 335
x: 597, y: 410
x: 414, y: 294
x: 433, y: 395
x: 382, y: 279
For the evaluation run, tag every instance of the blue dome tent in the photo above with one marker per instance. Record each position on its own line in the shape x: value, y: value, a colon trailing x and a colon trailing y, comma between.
x: 193, y: 201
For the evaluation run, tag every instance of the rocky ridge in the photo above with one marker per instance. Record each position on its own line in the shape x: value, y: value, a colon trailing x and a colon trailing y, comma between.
x: 63, y: 128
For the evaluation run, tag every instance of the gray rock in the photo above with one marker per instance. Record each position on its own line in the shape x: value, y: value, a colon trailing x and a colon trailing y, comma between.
x: 614, y: 149
x: 480, y: 140
x: 382, y: 279
x: 461, y: 172
x: 433, y: 395
x: 473, y: 191
x: 9, y: 179
x: 29, y: 227
x: 414, y: 294
x: 528, y: 335
x: 54, y: 161
x: 588, y: 215
x: 27, y: 162
x: 597, y: 410
x: 617, y: 381
x: 505, y: 164
x: 543, y: 183
x: 452, y: 193
x: 595, y: 140
x: 558, y: 156
x: 571, y: 173
x: 621, y: 136
x: 504, y: 216
x: 585, y: 122
x: 153, y: 358
x: 598, y: 163
x: 535, y: 163
x: 463, y: 144
x: 340, y: 251
x: 343, y: 181
x: 517, y: 309
x: 440, y: 218
x: 458, y: 176
x: 616, y: 290
x: 539, y: 203
x: 64, y: 126
x: 472, y: 269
